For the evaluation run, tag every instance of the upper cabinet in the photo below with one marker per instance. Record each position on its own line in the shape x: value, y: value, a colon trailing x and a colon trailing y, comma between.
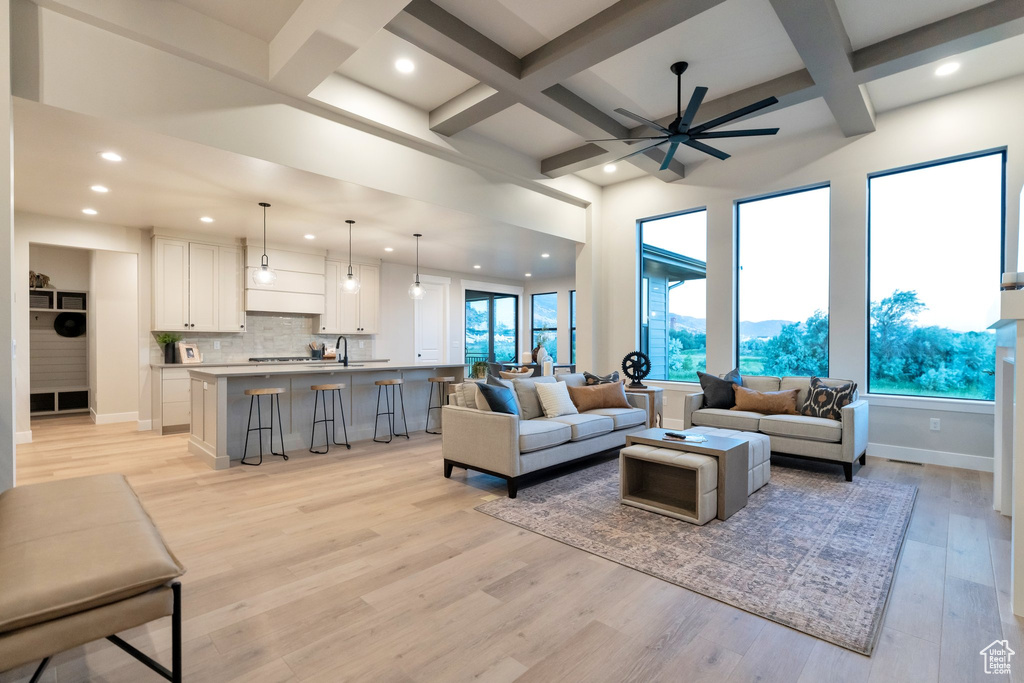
x: 351, y: 313
x: 196, y: 286
x: 299, y: 287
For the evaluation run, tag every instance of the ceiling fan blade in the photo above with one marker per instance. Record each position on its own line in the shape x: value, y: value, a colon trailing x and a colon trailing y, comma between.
x: 669, y: 154
x: 639, y: 151
x: 707, y: 149
x: 646, y: 122
x: 653, y: 137
x: 691, y: 108
x: 736, y: 133
x: 722, y: 120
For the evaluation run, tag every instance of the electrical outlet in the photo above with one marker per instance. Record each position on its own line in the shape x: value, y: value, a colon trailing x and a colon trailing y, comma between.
x: 216, y: 344
x: 361, y: 343
x: 935, y: 424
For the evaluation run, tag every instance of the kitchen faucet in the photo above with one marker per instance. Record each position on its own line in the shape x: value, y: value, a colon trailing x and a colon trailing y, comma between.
x: 342, y: 359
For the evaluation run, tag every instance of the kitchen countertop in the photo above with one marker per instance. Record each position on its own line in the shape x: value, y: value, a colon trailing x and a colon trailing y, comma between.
x: 249, y: 363
x: 258, y: 369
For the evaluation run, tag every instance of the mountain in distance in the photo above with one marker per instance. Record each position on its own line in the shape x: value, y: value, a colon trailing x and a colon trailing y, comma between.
x: 748, y: 329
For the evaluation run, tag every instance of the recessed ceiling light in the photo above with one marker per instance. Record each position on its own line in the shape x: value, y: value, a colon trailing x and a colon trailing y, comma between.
x: 476, y: 267
x: 388, y: 249
x: 89, y: 212
x: 947, y: 69
x: 545, y: 255
x: 405, y: 66
x: 610, y: 168
x: 310, y: 237
x: 99, y: 188
x: 111, y: 156
x: 206, y: 219
x: 529, y: 275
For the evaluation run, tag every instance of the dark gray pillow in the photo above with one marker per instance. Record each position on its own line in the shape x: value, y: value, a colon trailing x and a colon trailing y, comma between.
x: 718, y: 392
x: 500, y: 399
x: 599, y: 379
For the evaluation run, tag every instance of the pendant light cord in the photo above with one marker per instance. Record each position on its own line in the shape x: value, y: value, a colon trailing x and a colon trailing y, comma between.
x: 417, y: 236
x: 350, y: 224
x: 264, y: 262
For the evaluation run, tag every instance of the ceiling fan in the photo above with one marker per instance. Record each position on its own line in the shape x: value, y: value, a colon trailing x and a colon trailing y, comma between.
x: 679, y: 131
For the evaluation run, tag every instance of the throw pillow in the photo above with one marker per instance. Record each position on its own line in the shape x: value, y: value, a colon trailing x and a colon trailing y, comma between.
x: 828, y: 402
x: 507, y: 383
x: 718, y: 392
x: 767, y: 402
x: 599, y: 396
x: 526, y: 392
x: 499, y: 399
x: 601, y: 379
x: 555, y: 399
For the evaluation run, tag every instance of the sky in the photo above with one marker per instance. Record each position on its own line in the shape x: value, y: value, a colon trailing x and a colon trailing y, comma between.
x: 935, y: 230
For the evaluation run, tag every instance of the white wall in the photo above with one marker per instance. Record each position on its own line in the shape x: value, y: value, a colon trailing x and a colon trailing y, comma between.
x: 67, y: 268
x: 9, y: 274
x: 562, y: 287
x: 113, y: 327
x: 974, y: 120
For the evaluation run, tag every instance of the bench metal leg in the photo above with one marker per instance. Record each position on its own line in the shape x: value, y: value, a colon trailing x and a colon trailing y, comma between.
x: 39, y: 672
x: 174, y: 673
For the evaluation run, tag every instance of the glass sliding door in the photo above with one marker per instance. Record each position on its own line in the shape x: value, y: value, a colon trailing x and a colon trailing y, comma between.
x: 492, y: 327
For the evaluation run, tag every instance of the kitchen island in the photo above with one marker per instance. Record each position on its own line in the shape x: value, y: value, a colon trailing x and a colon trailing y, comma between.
x: 220, y: 407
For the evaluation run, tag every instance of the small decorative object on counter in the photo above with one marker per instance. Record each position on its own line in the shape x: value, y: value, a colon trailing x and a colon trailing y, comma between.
x: 38, y: 280
x: 636, y: 366
x: 526, y: 357
x: 539, y: 352
x: 189, y: 353
x: 169, y: 341
x: 480, y: 369
x: 549, y: 366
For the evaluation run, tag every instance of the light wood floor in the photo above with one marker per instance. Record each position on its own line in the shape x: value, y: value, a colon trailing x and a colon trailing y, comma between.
x: 368, y: 565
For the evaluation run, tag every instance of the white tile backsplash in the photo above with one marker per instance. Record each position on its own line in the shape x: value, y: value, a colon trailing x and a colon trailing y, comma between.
x: 267, y: 334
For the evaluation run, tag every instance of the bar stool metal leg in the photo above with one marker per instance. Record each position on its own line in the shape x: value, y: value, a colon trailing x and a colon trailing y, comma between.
x: 385, y: 414
x: 344, y: 427
x: 312, y: 433
x: 248, y: 429
x: 259, y: 429
x: 276, y: 398
x: 442, y: 394
x: 401, y: 396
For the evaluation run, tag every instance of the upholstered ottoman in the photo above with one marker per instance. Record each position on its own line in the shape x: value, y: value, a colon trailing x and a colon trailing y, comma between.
x: 758, y: 449
x: 669, y: 482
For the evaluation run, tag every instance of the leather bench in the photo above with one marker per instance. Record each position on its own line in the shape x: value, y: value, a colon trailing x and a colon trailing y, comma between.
x: 80, y: 560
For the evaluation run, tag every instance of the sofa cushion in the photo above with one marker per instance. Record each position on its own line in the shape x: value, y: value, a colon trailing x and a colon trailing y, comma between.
x: 599, y: 396
x: 803, y: 427
x: 622, y: 417
x: 762, y: 382
x: 744, y: 420
x: 767, y: 402
x: 73, y: 545
x: 526, y: 392
x: 586, y: 426
x: 718, y: 393
x: 537, y: 434
x: 554, y: 399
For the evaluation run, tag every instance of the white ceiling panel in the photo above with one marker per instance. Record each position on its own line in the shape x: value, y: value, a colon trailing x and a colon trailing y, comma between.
x: 521, y: 26
x: 870, y: 21
x: 526, y: 131
x: 985, y: 65
x: 260, y: 18
x: 732, y: 46
x: 171, y: 183
x: 433, y: 83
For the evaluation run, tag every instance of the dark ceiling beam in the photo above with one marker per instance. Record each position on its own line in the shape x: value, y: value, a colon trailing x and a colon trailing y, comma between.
x: 820, y: 39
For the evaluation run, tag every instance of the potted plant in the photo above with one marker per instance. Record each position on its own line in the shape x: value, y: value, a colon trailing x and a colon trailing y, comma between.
x: 480, y: 369
x: 169, y: 341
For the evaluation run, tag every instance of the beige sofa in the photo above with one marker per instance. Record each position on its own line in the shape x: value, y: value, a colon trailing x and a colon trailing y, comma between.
x: 841, y: 441
x: 515, y: 446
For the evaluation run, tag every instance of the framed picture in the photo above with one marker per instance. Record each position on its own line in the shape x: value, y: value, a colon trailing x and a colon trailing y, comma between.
x: 189, y: 353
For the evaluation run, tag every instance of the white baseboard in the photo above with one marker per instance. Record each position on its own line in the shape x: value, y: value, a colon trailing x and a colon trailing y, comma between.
x: 23, y: 437
x: 928, y: 457
x: 145, y: 425
x: 112, y: 418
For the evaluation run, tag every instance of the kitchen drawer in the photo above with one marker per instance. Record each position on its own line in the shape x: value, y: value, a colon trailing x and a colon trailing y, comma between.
x: 177, y: 413
x: 175, y: 390
x: 175, y: 373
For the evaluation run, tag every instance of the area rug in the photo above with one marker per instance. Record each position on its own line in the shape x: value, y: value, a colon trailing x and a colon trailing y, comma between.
x: 809, y: 551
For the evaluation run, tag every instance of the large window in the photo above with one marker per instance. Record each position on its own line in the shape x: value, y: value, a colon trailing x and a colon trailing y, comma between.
x: 544, y: 314
x: 783, y: 283
x: 935, y: 255
x: 572, y: 325
x: 673, y: 294
x: 492, y: 327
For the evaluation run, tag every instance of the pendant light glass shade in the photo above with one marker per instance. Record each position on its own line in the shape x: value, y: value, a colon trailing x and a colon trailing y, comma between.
x: 264, y: 276
x: 416, y: 290
x: 350, y: 285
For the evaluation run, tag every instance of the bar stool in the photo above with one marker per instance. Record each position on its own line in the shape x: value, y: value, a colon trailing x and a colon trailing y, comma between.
x: 255, y: 395
x: 392, y: 405
x: 321, y: 393
x: 442, y: 397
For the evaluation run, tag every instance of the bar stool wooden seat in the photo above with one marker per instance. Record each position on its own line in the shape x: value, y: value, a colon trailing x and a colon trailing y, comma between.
x: 442, y: 397
x: 329, y: 437
x: 390, y: 402
x: 255, y: 397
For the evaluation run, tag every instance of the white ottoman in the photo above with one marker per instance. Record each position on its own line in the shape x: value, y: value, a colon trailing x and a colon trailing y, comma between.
x: 670, y: 482
x: 759, y: 450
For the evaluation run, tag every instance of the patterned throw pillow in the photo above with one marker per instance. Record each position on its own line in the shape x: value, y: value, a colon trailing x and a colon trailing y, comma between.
x: 828, y: 402
x: 599, y: 379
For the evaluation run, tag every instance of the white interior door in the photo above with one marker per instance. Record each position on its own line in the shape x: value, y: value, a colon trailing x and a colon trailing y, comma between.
x: 432, y: 323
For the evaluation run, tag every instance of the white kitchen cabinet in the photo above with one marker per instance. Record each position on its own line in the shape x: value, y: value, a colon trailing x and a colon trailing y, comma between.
x: 351, y: 313
x: 197, y: 286
x: 299, y: 287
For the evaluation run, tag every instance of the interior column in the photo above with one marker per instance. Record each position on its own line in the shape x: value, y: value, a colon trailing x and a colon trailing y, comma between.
x: 8, y: 278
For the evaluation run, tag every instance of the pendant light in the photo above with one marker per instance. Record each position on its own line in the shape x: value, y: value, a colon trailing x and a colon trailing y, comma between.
x: 350, y: 285
x: 416, y: 289
x: 264, y: 276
